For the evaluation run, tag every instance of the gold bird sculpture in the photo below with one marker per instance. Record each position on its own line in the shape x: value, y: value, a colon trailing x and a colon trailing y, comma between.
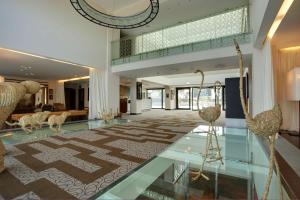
x: 210, y: 115
x: 266, y: 124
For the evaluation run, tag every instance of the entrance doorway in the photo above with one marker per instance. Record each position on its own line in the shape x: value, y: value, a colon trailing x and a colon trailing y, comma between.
x: 157, y: 97
x: 183, y: 97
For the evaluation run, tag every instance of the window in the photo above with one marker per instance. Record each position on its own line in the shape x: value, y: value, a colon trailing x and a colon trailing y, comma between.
x: 207, y: 97
x: 157, y: 97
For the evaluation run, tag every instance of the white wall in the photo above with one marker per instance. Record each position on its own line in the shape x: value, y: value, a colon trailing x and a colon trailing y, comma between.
x: 257, y: 12
x: 170, y: 104
x: 135, y: 104
x: 54, y: 29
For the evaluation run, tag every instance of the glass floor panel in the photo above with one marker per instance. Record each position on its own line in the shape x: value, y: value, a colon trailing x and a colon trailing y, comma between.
x: 168, y: 175
x: 19, y: 136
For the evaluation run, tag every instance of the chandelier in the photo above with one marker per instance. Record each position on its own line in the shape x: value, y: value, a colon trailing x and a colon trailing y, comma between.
x: 118, y: 22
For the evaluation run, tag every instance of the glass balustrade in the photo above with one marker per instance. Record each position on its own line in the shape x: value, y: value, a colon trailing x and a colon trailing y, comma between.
x: 207, y: 33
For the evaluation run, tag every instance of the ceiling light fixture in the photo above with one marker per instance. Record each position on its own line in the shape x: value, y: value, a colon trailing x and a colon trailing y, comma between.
x: 74, y: 79
x: 46, y: 58
x: 119, y: 22
x: 280, y: 15
x: 291, y: 48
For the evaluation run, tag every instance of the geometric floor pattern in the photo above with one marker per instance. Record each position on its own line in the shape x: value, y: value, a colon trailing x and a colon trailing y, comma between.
x: 79, y: 165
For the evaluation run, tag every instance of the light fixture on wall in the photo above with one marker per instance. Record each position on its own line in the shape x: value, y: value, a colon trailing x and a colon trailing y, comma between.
x: 119, y: 22
x: 293, y: 89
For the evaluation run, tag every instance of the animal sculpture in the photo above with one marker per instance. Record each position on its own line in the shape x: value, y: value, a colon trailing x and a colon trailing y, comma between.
x: 210, y: 115
x: 266, y: 124
x: 107, y: 116
x: 10, y: 95
x: 28, y: 122
x: 57, y: 121
x: 39, y: 118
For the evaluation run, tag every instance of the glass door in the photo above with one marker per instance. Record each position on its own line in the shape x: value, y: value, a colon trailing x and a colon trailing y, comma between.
x: 157, y: 97
x: 183, y: 98
x: 207, y: 97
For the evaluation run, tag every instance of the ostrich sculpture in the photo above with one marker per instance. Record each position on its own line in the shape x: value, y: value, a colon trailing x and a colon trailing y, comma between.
x: 209, y: 114
x: 10, y: 96
x: 266, y: 124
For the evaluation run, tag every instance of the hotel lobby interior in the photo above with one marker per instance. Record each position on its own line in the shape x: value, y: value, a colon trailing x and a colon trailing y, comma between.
x: 149, y: 99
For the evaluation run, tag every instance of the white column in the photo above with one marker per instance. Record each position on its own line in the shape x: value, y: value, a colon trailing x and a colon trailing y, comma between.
x: 170, y: 101
x: 135, y: 104
x: 262, y: 79
x: 2, y: 79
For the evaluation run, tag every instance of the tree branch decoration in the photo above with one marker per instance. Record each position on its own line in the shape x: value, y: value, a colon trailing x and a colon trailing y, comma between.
x: 209, y: 114
x: 266, y: 124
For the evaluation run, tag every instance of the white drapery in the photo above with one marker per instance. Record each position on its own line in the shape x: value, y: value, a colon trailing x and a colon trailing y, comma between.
x: 98, y: 93
x: 284, y: 61
x: 104, y: 93
x: 59, y: 96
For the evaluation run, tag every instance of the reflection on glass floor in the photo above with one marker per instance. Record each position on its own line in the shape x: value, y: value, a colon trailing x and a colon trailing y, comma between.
x: 168, y: 176
x: 19, y: 136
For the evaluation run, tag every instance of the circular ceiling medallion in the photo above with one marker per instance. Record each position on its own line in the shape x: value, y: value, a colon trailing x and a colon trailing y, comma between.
x: 118, y: 22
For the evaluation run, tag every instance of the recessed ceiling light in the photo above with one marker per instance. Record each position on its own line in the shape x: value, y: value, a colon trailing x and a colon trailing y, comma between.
x: 188, y: 83
x: 286, y: 4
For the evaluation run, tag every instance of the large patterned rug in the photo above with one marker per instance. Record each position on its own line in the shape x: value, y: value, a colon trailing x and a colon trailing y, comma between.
x: 78, y: 165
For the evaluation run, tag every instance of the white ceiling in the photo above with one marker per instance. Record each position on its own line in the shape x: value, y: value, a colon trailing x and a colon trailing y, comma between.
x: 191, y: 79
x: 14, y: 64
x: 174, y: 12
x: 288, y: 33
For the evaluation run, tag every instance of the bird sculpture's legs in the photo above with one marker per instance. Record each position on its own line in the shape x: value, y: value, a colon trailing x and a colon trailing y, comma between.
x: 278, y: 177
x: 278, y: 173
x: 271, y: 165
x: 209, y: 152
x: 219, y: 156
x: 198, y: 174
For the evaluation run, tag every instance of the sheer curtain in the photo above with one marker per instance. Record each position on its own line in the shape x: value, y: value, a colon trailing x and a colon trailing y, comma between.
x: 98, y: 93
x: 284, y: 61
x: 59, y: 93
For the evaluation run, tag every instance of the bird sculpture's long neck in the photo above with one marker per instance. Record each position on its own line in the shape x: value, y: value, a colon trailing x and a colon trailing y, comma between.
x: 241, y: 64
x: 201, y: 85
